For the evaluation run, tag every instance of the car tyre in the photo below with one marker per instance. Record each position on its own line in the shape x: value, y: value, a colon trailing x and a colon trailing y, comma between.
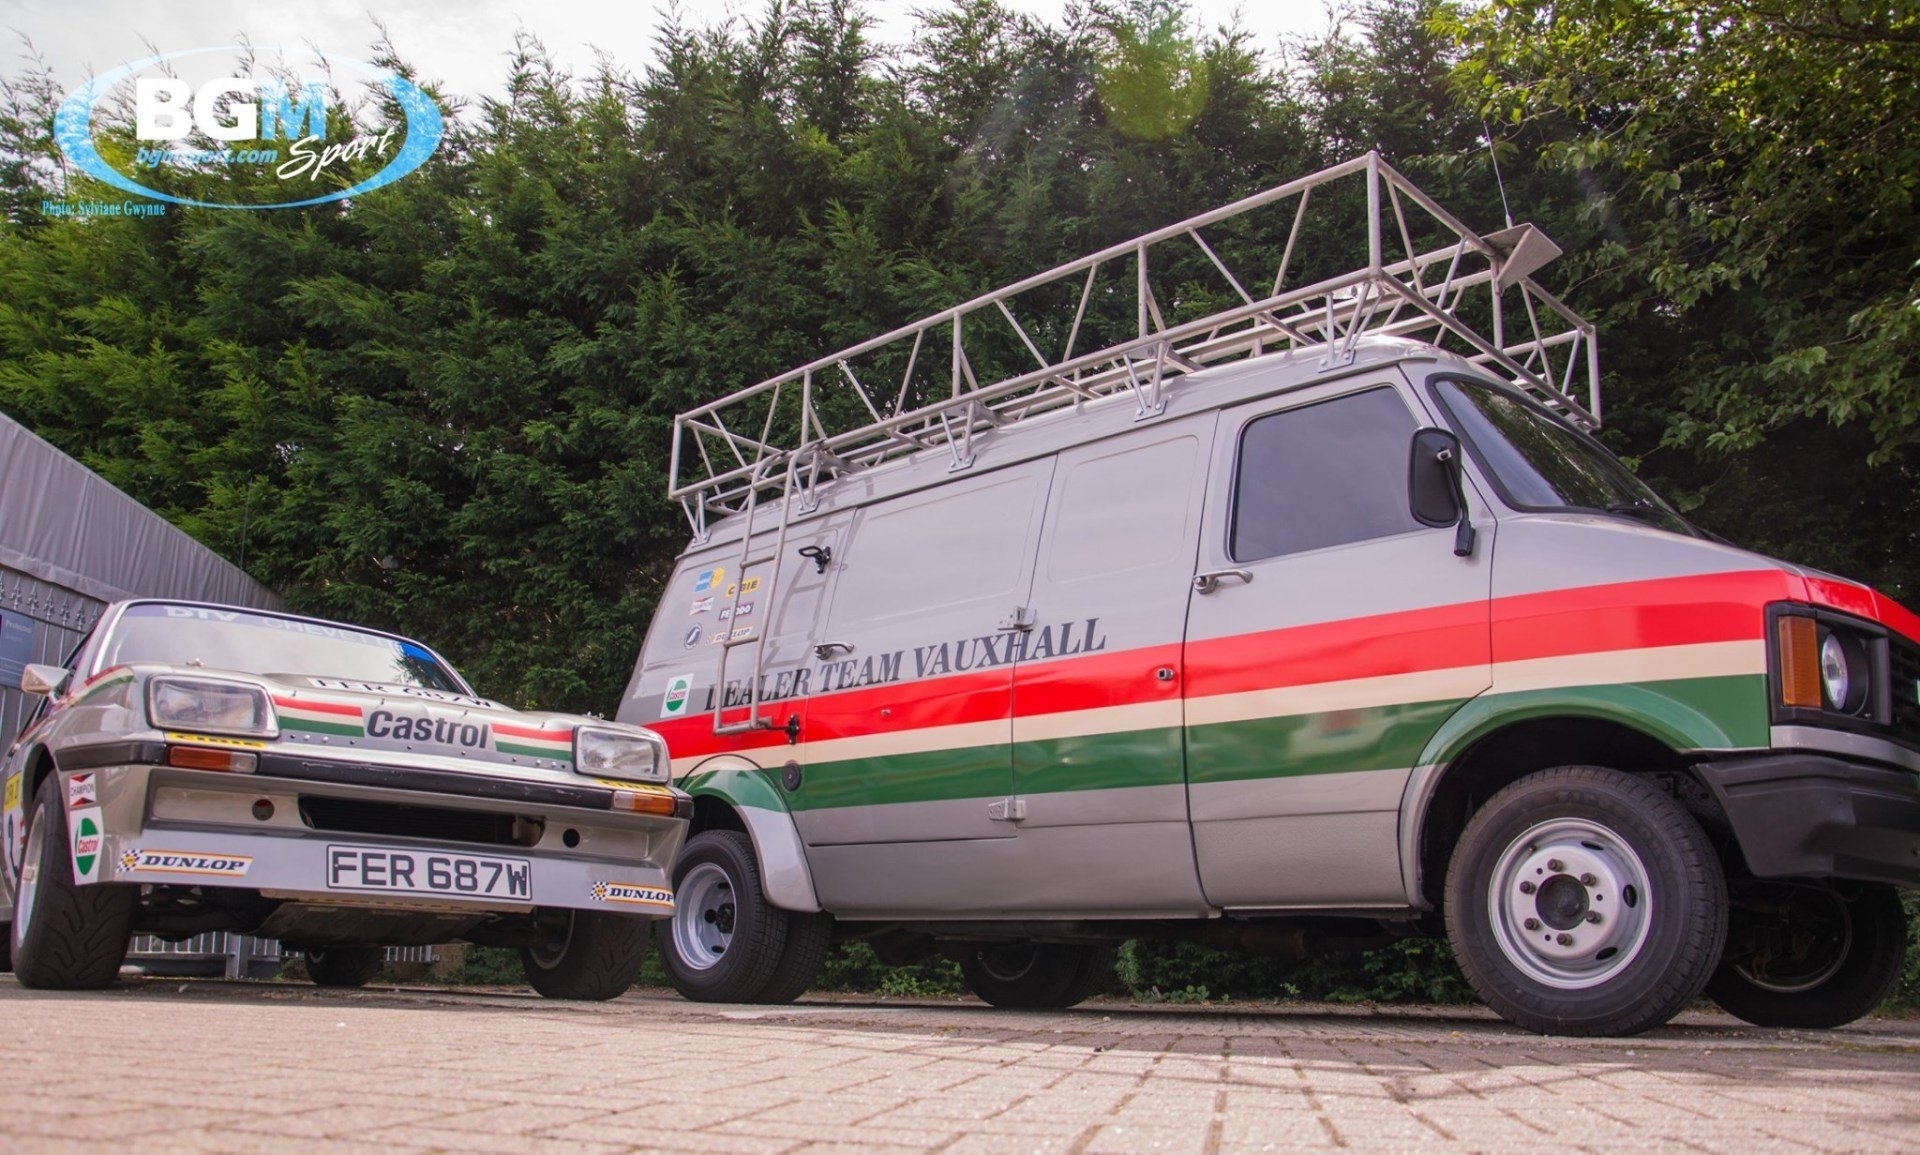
x: 345, y: 966
x: 64, y: 936
x: 596, y: 959
x: 1809, y: 956
x: 1031, y: 975
x: 725, y: 941
x: 1585, y: 901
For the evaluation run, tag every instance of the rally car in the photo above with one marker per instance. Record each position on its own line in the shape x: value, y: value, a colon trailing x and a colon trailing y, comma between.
x: 200, y: 768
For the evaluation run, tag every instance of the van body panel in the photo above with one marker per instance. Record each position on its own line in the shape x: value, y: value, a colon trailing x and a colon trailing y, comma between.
x: 751, y: 793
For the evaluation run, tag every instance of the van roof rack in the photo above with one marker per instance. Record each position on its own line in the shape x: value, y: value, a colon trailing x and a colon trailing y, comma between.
x: 1144, y: 313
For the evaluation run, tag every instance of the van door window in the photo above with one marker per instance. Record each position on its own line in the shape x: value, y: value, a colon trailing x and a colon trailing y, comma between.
x: 1322, y: 475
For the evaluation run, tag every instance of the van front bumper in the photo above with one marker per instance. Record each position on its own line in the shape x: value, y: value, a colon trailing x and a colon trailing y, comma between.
x: 1814, y: 816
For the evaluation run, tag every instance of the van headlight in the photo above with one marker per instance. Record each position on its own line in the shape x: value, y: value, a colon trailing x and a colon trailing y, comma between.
x: 1844, y: 676
x: 625, y: 755
x: 1824, y: 666
x: 210, y: 706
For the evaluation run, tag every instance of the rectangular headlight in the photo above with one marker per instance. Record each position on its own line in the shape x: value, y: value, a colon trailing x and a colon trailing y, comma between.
x: 619, y: 754
x: 206, y: 706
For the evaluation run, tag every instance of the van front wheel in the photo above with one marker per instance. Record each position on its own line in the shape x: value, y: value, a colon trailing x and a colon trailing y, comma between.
x: 1810, y: 956
x: 1033, y: 975
x: 725, y: 940
x: 1585, y: 901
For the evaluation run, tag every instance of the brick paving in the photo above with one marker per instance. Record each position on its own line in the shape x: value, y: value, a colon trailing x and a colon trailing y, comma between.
x: 174, y: 1065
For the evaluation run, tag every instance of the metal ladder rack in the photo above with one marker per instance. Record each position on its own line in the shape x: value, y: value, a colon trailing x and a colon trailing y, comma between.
x: 777, y: 441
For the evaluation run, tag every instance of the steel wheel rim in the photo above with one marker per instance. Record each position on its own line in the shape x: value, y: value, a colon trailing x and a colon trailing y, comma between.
x: 1570, y: 903
x: 993, y: 960
x: 545, y: 955
x: 28, y: 889
x: 704, y: 916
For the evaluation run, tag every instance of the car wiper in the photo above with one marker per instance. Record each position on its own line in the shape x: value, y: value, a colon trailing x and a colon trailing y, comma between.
x: 1643, y: 510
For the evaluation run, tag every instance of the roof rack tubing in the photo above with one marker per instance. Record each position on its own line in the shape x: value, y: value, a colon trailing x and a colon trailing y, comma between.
x: 857, y: 388
x: 1218, y: 264
x: 1455, y: 224
x: 1086, y: 293
x: 1022, y: 334
x: 1373, y: 212
x: 906, y: 379
x: 1293, y: 234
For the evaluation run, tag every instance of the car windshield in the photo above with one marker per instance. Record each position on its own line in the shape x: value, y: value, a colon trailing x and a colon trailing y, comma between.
x: 1541, y: 463
x: 229, y: 639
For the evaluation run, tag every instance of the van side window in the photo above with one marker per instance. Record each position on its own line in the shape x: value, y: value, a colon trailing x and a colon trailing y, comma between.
x: 1322, y: 475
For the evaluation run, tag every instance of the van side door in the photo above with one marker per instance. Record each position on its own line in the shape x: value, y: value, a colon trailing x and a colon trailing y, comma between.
x: 905, y: 752
x: 1099, y: 766
x: 1329, y: 635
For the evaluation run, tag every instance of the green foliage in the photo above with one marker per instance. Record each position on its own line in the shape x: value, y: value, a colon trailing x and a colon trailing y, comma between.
x: 1409, y: 971
x: 852, y: 966
x: 489, y: 966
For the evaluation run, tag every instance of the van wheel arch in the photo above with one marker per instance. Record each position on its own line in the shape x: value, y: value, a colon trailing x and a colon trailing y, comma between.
x: 1503, y: 757
x: 711, y: 813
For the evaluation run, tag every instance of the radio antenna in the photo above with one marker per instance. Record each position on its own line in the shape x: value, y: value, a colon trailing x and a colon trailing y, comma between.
x: 1495, y: 157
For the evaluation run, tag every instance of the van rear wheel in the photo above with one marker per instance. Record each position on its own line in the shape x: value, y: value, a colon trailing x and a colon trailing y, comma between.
x: 725, y: 940
x: 1585, y: 901
x: 1034, y: 975
x: 1810, y: 956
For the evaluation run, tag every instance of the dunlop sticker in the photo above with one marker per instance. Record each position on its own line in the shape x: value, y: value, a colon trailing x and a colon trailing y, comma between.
x: 626, y: 894
x: 84, y: 826
x: 136, y: 860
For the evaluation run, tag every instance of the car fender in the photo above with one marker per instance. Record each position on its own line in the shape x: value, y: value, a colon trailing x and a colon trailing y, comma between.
x: 750, y: 791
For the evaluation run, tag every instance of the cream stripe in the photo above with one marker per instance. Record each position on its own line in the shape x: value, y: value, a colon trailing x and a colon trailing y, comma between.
x: 1659, y: 664
x: 1355, y: 694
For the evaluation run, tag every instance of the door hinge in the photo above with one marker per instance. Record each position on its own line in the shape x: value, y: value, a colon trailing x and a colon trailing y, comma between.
x: 1022, y: 618
x: 1007, y: 810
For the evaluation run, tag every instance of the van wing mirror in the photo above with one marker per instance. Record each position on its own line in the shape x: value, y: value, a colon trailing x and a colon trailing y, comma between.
x: 48, y: 680
x: 1436, y: 495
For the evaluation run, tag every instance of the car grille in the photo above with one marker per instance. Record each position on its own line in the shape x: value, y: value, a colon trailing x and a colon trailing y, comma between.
x: 352, y: 816
x: 1906, y: 690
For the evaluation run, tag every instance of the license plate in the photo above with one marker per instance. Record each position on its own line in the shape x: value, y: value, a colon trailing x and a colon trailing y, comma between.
x: 384, y: 870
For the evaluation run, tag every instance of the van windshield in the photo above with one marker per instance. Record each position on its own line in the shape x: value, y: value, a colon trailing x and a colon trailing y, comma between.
x: 1539, y: 462
x: 229, y: 639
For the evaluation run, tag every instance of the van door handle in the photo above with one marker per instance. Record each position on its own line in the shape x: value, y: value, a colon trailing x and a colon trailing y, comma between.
x: 1206, y: 583
x: 825, y: 650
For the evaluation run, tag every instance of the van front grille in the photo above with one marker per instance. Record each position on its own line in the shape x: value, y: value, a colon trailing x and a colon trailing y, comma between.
x: 352, y: 816
x: 1906, y: 690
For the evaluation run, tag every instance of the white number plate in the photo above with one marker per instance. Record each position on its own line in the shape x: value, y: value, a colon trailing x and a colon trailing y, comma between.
x: 384, y: 870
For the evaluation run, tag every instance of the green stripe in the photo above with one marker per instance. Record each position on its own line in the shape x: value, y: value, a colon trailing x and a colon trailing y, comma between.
x: 316, y: 727
x: 506, y: 747
x: 1334, y: 742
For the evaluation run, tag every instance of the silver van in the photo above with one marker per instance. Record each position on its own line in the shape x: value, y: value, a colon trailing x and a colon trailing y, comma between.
x: 1296, y: 610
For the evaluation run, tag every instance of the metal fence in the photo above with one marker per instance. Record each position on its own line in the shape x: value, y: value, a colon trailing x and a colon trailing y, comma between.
x: 237, y: 956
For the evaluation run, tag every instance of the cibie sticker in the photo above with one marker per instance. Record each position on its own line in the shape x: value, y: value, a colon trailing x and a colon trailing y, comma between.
x: 679, y: 690
x: 708, y: 579
x: 136, y: 860
x: 84, y: 826
x: 80, y: 792
x: 626, y: 894
x: 745, y: 587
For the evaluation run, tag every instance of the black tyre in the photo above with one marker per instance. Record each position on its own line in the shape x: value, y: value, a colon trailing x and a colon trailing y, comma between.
x: 593, y: 957
x: 809, y: 938
x: 724, y: 941
x: 1808, y: 955
x: 65, y: 937
x: 1034, y: 975
x: 345, y: 966
x: 1584, y: 901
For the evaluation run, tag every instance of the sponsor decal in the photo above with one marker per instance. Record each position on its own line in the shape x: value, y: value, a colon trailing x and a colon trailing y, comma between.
x: 701, y: 606
x: 311, y: 716
x: 533, y: 743
x: 451, y: 699
x: 271, y: 122
x: 692, y: 640
x: 216, y: 740
x: 84, y: 826
x: 708, y: 579
x: 135, y: 860
x: 728, y: 635
x: 627, y: 894
x: 13, y: 791
x: 80, y: 792
x: 740, y: 611
x: 679, y: 689
x: 439, y: 731
x: 748, y: 586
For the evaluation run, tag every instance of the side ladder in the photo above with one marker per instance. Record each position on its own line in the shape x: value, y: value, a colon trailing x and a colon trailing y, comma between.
x: 734, y: 636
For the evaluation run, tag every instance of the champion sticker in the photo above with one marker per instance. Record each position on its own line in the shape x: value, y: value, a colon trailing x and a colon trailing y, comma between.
x: 701, y: 606
x: 87, y: 837
x: 626, y: 894
x: 679, y: 690
x: 708, y: 579
x: 137, y: 861
x: 80, y: 792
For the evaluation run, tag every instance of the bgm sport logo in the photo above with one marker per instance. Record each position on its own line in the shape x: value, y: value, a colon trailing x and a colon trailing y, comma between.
x: 278, y: 124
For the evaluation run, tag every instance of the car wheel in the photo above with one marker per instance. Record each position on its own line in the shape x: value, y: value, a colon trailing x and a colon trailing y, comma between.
x: 724, y: 941
x: 1585, y: 901
x: 1034, y: 975
x: 345, y: 966
x: 593, y: 957
x: 1810, y: 956
x: 64, y: 937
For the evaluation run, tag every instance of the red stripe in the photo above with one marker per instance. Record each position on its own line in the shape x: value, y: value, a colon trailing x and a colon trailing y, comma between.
x: 316, y: 707
x: 524, y: 732
x: 1411, y: 641
x: 1722, y: 607
x: 1849, y: 597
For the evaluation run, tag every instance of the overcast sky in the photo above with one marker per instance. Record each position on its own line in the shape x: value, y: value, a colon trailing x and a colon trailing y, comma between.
x: 464, y: 44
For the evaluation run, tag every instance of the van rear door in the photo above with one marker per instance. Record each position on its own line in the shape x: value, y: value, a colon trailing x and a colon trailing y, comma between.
x: 1329, y: 634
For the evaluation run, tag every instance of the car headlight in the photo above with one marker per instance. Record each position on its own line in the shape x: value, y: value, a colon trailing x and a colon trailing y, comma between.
x: 1844, y: 677
x: 206, y: 706
x: 620, y: 754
